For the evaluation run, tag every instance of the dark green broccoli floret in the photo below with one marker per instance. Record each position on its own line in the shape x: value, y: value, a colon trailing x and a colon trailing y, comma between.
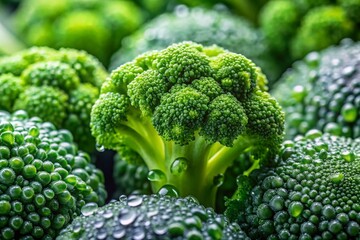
x: 94, y: 26
x: 44, y: 179
x: 296, y: 28
x: 151, y: 217
x: 322, y: 91
x: 313, y: 193
x: 203, y: 26
x: 59, y: 86
x: 161, y: 106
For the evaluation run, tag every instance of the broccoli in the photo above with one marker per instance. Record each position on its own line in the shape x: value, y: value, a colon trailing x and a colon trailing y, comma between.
x: 44, y: 179
x: 59, y: 86
x: 151, y: 217
x: 94, y: 26
x: 312, y: 194
x: 321, y: 92
x: 188, y: 111
x: 202, y: 26
x: 306, y: 26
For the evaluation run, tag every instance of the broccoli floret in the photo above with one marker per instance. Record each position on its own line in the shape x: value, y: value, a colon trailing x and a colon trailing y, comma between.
x: 161, y: 106
x: 306, y: 26
x: 321, y: 92
x: 312, y: 194
x: 202, y: 26
x: 57, y: 86
x: 151, y: 217
x: 320, y: 28
x: 94, y: 26
x: 44, y: 179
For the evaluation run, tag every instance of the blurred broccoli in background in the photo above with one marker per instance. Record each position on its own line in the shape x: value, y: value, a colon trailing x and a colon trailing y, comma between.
x: 203, y: 26
x: 59, y: 86
x: 94, y: 26
x: 295, y: 28
x: 322, y: 91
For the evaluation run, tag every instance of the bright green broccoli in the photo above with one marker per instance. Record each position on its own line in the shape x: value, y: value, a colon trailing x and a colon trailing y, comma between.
x: 306, y: 26
x: 322, y: 92
x: 59, y: 86
x: 202, y: 26
x: 94, y: 26
x: 151, y: 217
x: 312, y: 194
x: 189, y: 111
x: 44, y: 179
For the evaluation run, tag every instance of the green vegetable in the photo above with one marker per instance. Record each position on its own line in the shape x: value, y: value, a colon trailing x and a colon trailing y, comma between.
x: 151, y: 217
x: 94, y: 26
x: 44, y: 179
x: 307, y: 26
x: 203, y: 26
x: 59, y: 86
x: 321, y: 92
x: 312, y: 194
x: 189, y: 111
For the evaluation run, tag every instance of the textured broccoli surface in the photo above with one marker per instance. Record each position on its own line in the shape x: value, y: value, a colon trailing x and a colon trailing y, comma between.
x: 189, y: 111
x: 59, y: 86
x: 44, y: 179
x: 203, y: 26
x: 94, y: 26
x: 322, y: 91
x: 307, y: 26
x: 312, y: 194
x: 151, y: 217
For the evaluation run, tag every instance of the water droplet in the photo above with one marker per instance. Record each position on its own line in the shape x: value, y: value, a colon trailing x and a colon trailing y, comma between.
x: 336, y: 177
x: 139, y: 233
x: 295, y: 209
x: 127, y: 216
x: 218, y: 180
x: 168, y: 190
x: 156, y: 175
x: 313, y: 133
x: 349, y: 112
x: 348, y: 156
x: 348, y: 71
x: 134, y: 200
x: 179, y: 166
x: 101, y: 235
x: 99, y: 223
x: 299, y: 93
x: 119, y: 233
x: 89, y: 209
x: 99, y: 147
x: 159, y: 229
x: 108, y: 214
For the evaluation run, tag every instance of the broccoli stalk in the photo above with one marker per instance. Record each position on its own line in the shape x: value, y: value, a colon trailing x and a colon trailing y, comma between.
x: 189, y: 111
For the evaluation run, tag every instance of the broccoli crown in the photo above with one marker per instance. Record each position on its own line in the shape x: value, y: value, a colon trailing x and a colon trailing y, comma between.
x: 203, y: 105
x: 307, y: 25
x: 44, y: 179
x: 203, y: 26
x: 312, y: 194
x: 94, y: 26
x: 151, y: 217
x: 59, y: 86
x: 322, y: 91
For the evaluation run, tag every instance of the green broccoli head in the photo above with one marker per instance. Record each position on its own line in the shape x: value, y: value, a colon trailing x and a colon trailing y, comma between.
x: 320, y: 28
x: 151, y: 217
x: 203, y: 26
x: 306, y: 25
x: 94, y: 26
x: 59, y: 86
x: 321, y: 92
x: 44, y: 179
x: 312, y: 194
x: 188, y: 111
